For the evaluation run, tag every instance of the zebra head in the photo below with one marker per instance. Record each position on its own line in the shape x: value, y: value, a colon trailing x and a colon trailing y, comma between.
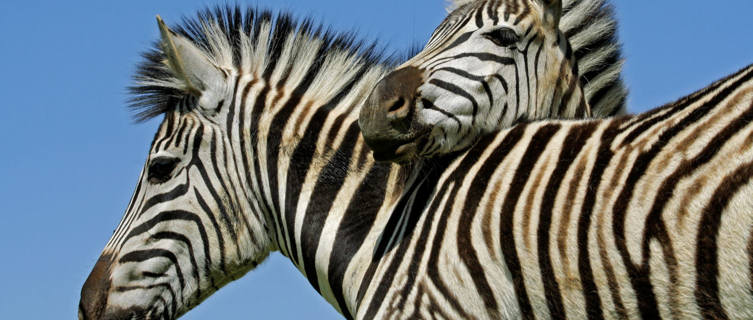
x: 172, y: 247
x: 488, y: 65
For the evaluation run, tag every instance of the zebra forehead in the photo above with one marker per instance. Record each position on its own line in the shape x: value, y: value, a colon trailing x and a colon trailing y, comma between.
x: 457, y: 4
x: 459, y: 9
x: 249, y: 41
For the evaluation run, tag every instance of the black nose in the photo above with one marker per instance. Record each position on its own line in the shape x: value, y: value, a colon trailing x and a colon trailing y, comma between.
x: 95, y: 290
x: 386, y: 119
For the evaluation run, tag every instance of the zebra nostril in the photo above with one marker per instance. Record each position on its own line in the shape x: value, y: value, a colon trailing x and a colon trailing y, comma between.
x: 397, y: 105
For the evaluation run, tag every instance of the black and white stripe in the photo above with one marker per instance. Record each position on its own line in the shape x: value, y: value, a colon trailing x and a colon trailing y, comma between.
x: 645, y: 216
x: 591, y: 29
x: 492, y: 63
x: 260, y: 150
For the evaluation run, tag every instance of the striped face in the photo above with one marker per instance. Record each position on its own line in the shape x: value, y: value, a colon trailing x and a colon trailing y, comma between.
x: 189, y: 228
x: 182, y: 231
x: 488, y: 65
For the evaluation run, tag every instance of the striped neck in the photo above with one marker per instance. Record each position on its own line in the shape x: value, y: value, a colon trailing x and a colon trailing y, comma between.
x: 259, y: 151
x: 324, y: 199
x: 329, y: 203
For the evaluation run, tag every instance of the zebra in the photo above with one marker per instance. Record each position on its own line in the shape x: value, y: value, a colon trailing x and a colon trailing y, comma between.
x: 648, y: 215
x: 260, y: 151
x: 489, y: 65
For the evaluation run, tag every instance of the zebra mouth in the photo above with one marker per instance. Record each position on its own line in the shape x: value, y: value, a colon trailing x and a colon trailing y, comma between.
x: 403, y: 150
x: 402, y: 153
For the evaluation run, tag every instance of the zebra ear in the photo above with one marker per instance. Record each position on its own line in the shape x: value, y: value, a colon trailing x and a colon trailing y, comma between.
x: 552, y: 11
x: 187, y: 62
x: 454, y: 4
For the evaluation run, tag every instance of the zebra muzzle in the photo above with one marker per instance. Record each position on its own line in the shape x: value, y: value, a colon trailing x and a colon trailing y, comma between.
x: 96, y: 289
x: 387, y: 120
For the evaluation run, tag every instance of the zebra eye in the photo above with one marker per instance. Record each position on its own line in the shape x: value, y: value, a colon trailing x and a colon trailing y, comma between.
x: 161, y: 168
x: 503, y: 37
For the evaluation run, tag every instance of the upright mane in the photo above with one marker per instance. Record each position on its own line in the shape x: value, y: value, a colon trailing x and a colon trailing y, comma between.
x: 591, y: 28
x: 276, y: 47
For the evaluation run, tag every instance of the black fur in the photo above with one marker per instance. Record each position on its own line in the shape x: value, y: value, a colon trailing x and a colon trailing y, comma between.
x: 149, y: 101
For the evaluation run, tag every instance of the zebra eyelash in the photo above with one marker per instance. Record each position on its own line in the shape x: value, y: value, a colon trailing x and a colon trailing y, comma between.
x: 503, y: 37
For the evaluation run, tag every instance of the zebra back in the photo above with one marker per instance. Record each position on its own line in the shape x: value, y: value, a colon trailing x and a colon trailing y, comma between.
x: 638, y: 216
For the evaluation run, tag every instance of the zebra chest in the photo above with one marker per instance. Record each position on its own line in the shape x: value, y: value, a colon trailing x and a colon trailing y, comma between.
x: 439, y: 285
x: 438, y: 268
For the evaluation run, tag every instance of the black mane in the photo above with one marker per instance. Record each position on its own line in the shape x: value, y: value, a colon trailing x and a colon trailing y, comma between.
x: 150, y: 99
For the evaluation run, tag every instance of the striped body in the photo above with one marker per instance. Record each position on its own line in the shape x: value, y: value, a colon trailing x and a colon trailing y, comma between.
x: 259, y: 151
x: 643, y: 216
x: 647, y: 216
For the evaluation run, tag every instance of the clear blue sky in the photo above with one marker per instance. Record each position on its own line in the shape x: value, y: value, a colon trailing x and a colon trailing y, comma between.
x: 71, y: 155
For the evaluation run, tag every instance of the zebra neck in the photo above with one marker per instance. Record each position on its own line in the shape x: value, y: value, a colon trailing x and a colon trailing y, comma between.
x: 553, y: 96
x: 332, y: 224
x: 324, y: 198
x: 567, y: 102
x: 575, y: 105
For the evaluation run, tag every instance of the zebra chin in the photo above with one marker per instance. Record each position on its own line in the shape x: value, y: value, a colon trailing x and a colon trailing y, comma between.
x: 397, y: 151
x: 138, y: 304
x: 125, y: 314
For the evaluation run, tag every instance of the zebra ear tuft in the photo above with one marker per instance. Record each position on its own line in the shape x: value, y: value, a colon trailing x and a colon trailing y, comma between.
x: 454, y: 4
x: 552, y: 11
x: 187, y: 62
